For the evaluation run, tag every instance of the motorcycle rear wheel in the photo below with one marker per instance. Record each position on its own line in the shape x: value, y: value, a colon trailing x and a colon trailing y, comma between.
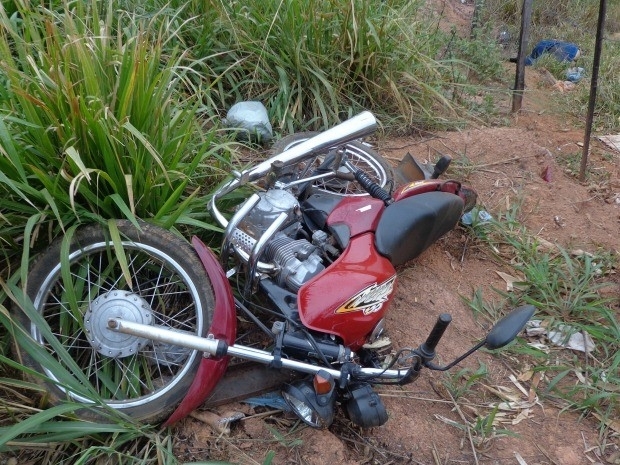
x: 169, y: 288
x: 359, y: 154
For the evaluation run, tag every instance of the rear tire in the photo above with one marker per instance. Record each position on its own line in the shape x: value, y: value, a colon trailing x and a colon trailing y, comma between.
x: 169, y: 288
x: 358, y: 153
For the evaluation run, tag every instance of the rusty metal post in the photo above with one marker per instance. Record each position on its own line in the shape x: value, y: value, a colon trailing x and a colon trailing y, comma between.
x: 598, y: 46
x: 526, y: 19
x: 476, y: 18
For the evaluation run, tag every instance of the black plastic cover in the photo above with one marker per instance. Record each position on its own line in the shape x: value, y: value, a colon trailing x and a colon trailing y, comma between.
x: 506, y: 329
x: 365, y: 408
x: 318, y: 206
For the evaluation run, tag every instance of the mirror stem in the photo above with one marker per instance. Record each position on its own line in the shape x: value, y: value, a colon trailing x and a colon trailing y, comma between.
x: 432, y: 366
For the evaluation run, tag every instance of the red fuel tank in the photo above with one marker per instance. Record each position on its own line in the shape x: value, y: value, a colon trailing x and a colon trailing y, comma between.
x: 350, y: 297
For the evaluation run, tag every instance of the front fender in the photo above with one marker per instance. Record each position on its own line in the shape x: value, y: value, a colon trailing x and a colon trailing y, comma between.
x: 224, y: 326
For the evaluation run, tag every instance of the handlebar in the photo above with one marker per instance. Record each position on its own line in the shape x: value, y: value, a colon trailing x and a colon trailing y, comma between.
x: 360, y: 125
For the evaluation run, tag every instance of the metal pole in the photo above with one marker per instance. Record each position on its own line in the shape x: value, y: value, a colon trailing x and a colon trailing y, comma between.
x: 598, y: 46
x: 526, y: 19
x: 475, y: 20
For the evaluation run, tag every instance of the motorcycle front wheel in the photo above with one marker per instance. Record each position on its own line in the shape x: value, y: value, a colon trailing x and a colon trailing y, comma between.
x: 359, y: 154
x: 166, y: 286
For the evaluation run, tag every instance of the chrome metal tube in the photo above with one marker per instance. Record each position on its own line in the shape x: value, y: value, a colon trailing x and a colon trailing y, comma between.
x: 212, y: 346
x: 308, y: 179
x: 260, y: 356
x: 258, y: 249
x: 234, y: 221
x: 359, y: 126
x: 161, y: 334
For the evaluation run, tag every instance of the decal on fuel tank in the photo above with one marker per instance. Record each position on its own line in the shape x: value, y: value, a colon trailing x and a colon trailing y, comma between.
x: 370, y: 299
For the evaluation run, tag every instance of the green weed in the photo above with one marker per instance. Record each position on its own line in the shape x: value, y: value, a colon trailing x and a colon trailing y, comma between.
x: 460, y: 382
x: 94, y: 125
x: 565, y: 288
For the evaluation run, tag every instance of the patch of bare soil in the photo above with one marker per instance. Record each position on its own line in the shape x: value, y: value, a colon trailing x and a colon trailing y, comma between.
x: 525, y: 163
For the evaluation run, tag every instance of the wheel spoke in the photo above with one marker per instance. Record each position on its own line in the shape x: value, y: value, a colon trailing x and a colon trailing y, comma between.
x: 123, y: 368
x: 357, y: 153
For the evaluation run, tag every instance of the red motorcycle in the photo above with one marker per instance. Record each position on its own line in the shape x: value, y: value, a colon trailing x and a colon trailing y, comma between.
x: 149, y: 323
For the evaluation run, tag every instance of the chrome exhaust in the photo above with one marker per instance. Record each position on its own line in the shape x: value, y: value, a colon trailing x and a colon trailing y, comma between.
x: 359, y: 126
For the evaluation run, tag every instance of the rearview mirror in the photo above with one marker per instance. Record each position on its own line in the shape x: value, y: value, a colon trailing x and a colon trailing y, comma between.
x: 506, y: 329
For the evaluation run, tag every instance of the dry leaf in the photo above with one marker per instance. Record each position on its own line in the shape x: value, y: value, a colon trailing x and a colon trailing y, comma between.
x: 510, y: 280
x: 545, y: 246
x: 380, y: 343
x: 535, y: 328
x: 526, y: 375
x: 535, y: 381
x: 219, y: 424
x: 448, y: 421
x: 522, y: 415
x: 540, y: 346
x: 520, y: 459
x: 580, y: 253
x: 518, y: 385
x: 613, y: 424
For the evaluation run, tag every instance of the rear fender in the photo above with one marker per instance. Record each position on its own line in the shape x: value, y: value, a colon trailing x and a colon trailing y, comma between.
x: 428, y: 185
x: 468, y: 194
x: 224, y: 326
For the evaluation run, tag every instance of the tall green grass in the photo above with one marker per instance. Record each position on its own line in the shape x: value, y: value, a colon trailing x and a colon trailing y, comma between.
x: 314, y: 63
x: 320, y: 61
x: 32, y: 431
x: 95, y: 123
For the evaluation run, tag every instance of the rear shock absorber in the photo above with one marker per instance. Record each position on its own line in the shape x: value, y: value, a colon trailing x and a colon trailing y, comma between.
x: 374, y: 189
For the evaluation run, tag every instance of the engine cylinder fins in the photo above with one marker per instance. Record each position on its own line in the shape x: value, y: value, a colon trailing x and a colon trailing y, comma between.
x: 297, y: 260
x: 283, y: 248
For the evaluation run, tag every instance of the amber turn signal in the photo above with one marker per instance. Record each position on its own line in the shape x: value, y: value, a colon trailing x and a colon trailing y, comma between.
x: 322, y: 385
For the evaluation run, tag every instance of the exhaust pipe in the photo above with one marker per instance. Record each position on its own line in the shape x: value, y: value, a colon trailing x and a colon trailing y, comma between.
x: 359, y: 126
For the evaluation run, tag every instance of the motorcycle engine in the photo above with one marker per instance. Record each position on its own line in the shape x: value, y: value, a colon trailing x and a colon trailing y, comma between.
x: 297, y: 260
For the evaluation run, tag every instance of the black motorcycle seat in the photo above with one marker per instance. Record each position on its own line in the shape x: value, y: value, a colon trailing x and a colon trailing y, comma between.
x: 409, y: 226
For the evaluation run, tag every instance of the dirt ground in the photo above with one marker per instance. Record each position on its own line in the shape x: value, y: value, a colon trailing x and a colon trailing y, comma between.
x: 527, y: 162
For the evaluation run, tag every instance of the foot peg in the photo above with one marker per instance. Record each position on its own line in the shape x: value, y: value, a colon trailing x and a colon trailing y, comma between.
x: 410, y: 170
x: 441, y: 166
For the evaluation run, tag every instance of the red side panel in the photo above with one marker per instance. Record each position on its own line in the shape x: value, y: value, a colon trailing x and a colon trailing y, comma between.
x: 351, y: 295
x: 224, y: 326
x: 361, y: 214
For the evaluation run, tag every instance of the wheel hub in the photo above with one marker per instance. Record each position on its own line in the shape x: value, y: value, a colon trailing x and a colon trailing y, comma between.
x: 116, y: 304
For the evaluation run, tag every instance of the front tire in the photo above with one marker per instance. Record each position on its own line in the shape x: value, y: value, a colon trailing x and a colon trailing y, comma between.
x: 169, y: 288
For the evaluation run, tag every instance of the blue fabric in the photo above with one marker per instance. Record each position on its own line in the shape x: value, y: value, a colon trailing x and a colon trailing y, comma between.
x: 563, y: 51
